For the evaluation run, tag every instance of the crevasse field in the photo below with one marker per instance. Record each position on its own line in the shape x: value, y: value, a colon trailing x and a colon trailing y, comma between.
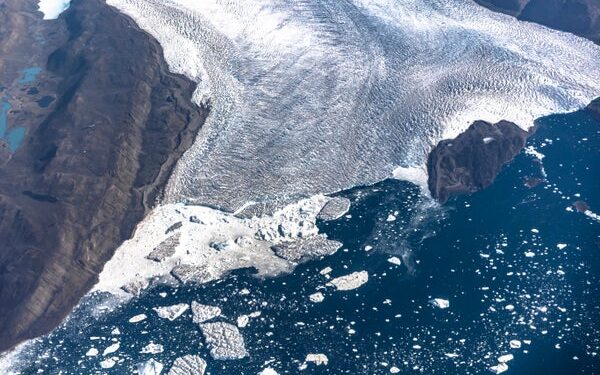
x: 316, y: 96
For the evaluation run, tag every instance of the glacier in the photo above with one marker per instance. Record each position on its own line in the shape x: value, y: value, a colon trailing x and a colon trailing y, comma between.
x: 316, y: 96
x: 53, y: 8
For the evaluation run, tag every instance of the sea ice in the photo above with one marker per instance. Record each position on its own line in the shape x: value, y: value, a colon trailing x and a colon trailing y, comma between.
x: 171, y: 312
x: 440, y: 303
x: 351, y: 281
x: 111, y: 349
x: 334, y: 209
x: 316, y: 297
x: 317, y: 359
x: 224, y: 341
x: 92, y: 352
x: 499, y: 368
x: 188, y: 365
x: 150, y: 367
x: 395, y: 260
x: 137, y: 318
x: 152, y: 348
x: 202, y: 313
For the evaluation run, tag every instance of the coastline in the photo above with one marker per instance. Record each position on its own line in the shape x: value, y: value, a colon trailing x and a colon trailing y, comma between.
x: 81, y: 180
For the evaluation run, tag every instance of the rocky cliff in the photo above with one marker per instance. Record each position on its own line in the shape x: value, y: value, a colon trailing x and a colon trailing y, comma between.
x: 471, y: 161
x: 92, y: 163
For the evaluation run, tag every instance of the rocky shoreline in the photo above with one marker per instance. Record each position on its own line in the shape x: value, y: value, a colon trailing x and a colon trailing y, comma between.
x: 93, y: 161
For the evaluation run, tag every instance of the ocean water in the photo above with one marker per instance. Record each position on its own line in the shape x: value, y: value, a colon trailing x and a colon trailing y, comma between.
x: 514, y: 263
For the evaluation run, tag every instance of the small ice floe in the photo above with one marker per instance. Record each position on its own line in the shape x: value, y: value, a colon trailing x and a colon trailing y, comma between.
x: 394, y: 370
x: 395, y: 260
x: 171, y: 312
x: 243, y: 292
x: 188, y: 365
x: 534, y: 230
x: 111, y: 349
x: 92, y: 352
x: 203, y: 313
x: 268, y: 371
x: 152, y: 348
x: 505, y: 358
x: 561, y: 246
x: 451, y: 355
x: 515, y: 344
x: 150, y: 367
x: 509, y: 307
x: 488, y: 140
x: 440, y: 303
x: 529, y: 254
x: 115, y: 332
x: 138, y: 318
x: 224, y: 341
x: 243, y: 320
x: 368, y: 248
x: 316, y: 297
x: 304, y: 249
x: 334, y: 209
x: 165, y: 249
x: 390, y: 218
x: 317, y: 359
x: 351, y: 281
x: 108, y: 363
x: 499, y: 368
x: 325, y: 271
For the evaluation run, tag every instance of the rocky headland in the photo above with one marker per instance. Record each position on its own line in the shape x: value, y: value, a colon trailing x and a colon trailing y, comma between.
x: 105, y: 121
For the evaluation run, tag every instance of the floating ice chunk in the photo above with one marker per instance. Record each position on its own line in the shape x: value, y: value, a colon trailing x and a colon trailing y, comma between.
x: 188, y: 365
x: 534, y: 230
x: 334, y: 209
x: 395, y: 260
x: 317, y: 359
x: 505, y: 358
x: 325, y: 271
x: 152, y: 348
x: 488, y: 140
x: 529, y: 254
x: 316, y: 297
x: 509, y: 307
x: 243, y: 320
x: 530, y: 150
x: 53, y: 8
x: 202, y: 313
x: 224, y: 341
x: 515, y: 344
x: 451, y: 355
x: 499, y: 368
x: 391, y: 218
x: 368, y: 248
x: 561, y: 246
x: 394, y: 370
x: 111, y: 349
x: 137, y: 318
x: 150, y: 367
x: 440, y: 303
x: 92, y: 352
x: 351, y: 281
x: 171, y: 312
x: 268, y: 371
x: 108, y: 363
x: 309, y: 248
x: 115, y: 332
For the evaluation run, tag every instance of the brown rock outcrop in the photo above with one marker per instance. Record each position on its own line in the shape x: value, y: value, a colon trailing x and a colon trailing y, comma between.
x: 471, y: 161
x: 93, y: 162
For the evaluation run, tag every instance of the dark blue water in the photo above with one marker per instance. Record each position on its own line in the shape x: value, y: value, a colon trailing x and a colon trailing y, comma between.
x: 498, y: 256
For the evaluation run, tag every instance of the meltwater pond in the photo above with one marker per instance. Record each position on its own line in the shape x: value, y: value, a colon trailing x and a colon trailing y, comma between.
x: 518, y: 266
